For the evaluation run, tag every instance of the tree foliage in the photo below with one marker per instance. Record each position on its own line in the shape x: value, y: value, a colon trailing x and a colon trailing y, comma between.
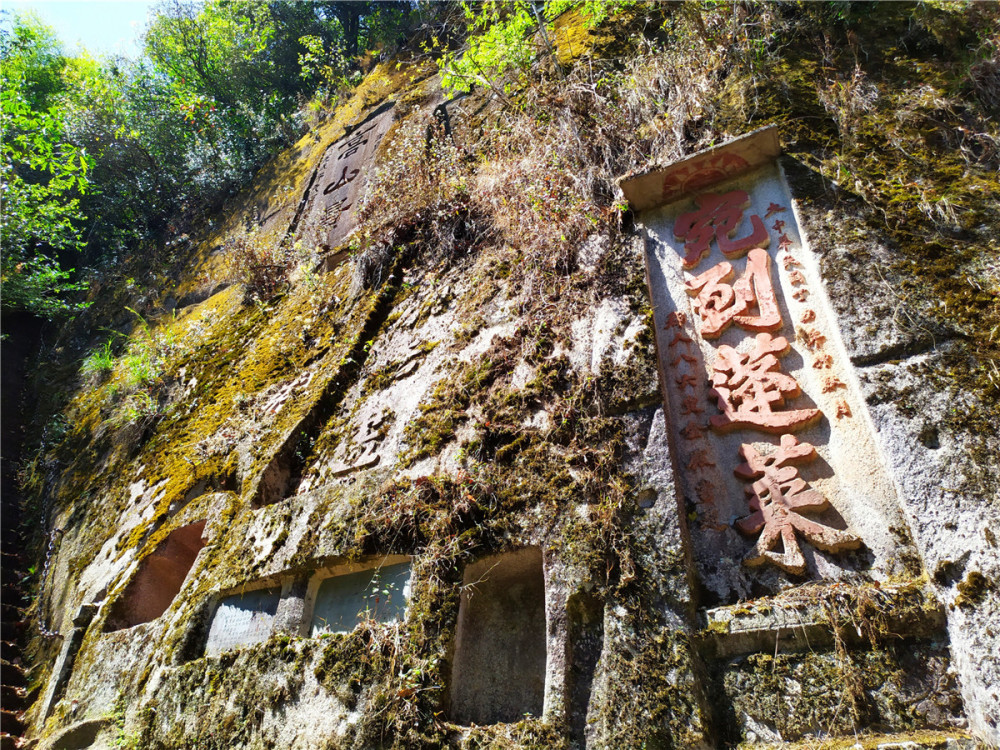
x: 108, y: 155
x: 42, y: 174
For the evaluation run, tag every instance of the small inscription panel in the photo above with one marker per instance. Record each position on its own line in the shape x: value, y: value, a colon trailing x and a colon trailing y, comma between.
x: 242, y: 620
x: 340, y: 182
x: 780, y: 478
x: 343, y: 601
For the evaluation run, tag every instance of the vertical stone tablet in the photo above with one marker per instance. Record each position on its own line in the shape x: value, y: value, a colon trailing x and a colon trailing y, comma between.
x: 340, y: 182
x: 242, y: 620
x: 780, y: 473
x: 499, y: 667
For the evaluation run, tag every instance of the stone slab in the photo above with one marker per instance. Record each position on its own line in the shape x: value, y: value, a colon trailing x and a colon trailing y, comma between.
x: 340, y: 182
x: 342, y: 601
x: 500, y: 647
x: 242, y: 620
x: 800, y: 619
x: 789, y: 309
x: 662, y: 185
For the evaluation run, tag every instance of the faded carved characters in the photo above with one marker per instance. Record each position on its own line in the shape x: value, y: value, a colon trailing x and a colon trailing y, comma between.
x: 777, y: 500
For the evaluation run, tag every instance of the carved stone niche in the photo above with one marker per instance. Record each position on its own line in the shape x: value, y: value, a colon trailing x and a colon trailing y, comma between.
x: 159, y: 579
x: 499, y: 665
x: 345, y: 595
x: 242, y: 619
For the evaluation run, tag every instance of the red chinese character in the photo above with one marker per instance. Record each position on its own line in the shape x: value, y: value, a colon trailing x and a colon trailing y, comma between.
x: 675, y: 319
x: 778, y: 225
x: 689, y: 405
x: 692, y: 431
x: 777, y: 499
x: 823, y: 362
x: 679, y: 338
x: 706, y: 491
x: 749, y: 386
x: 773, y: 209
x: 784, y: 242
x: 832, y: 383
x: 801, y: 294
x: 795, y: 277
x: 812, y: 338
x: 718, y: 217
x: 685, y: 381
x: 686, y: 357
x: 843, y: 409
x: 788, y: 261
x: 808, y: 316
x: 719, y: 304
x: 699, y: 460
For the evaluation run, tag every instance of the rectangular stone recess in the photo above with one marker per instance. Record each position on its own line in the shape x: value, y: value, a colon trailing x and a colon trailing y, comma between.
x: 242, y: 620
x: 342, y: 601
x: 779, y: 472
x: 498, y: 673
x: 340, y: 182
x: 158, y: 580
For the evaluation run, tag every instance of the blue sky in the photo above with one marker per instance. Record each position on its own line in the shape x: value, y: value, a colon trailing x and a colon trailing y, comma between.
x: 102, y: 26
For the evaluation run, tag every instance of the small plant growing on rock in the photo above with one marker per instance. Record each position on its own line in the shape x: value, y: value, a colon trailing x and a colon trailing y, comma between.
x: 261, y: 269
x: 99, y: 363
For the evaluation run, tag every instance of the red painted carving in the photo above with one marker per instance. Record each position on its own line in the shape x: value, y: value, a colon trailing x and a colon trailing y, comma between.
x: 676, y: 319
x: 808, y: 316
x: 784, y: 242
x: 778, y: 497
x: 679, y: 338
x: 686, y: 380
x: 719, y: 304
x: 707, y: 496
x: 812, y: 338
x: 832, y: 383
x: 693, y: 431
x: 702, y: 173
x: 686, y: 357
x: 690, y: 406
x: 823, y: 362
x: 774, y: 208
x: 718, y: 217
x: 801, y: 294
x: 788, y: 261
x: 778, y: 225
x: 699, y: 460
x: 749, y: 386
x: 843, y: 409
x: 706, y: 492
x: 796, y: 278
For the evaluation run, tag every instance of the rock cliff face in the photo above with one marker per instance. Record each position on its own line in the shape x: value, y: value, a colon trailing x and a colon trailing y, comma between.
x: 481, y: 469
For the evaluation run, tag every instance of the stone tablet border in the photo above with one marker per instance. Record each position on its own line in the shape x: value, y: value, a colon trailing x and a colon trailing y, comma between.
x: 661, y: 185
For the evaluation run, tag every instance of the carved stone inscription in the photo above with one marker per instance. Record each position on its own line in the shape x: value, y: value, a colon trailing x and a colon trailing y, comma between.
x: 242, y: 620
x: 340, y: 182
x: 768, y: 449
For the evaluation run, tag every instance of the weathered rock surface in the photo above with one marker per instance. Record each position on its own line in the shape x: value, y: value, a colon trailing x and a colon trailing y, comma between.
x: 466, y: 391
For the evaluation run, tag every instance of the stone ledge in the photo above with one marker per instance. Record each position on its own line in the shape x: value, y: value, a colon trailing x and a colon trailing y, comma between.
x: 922, y: 740
x: 809, y: 616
